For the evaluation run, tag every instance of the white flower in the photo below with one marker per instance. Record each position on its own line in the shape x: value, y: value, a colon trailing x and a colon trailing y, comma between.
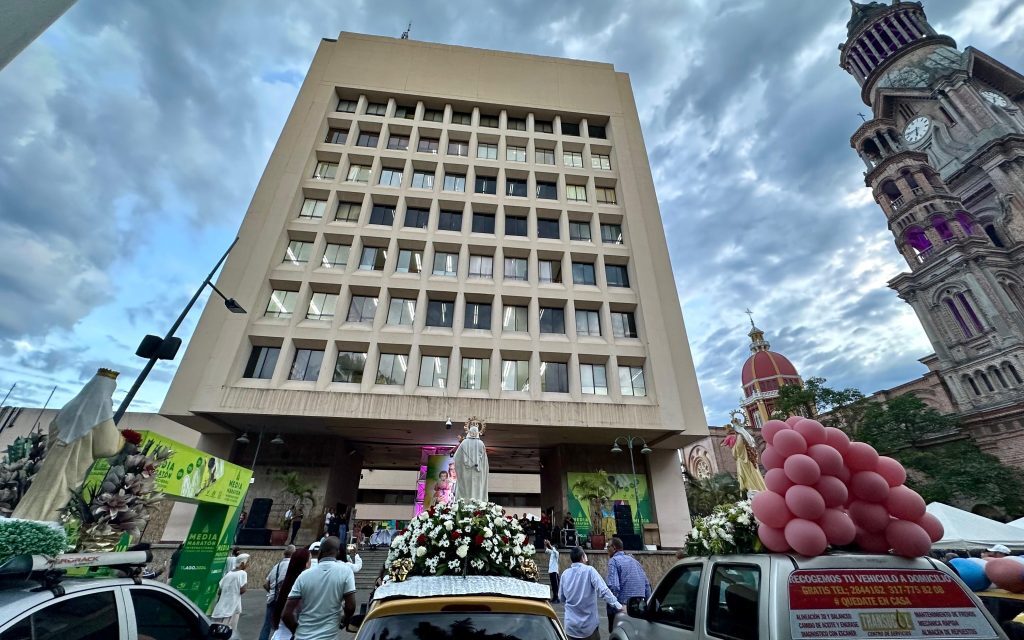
x: 462, y: 550
x: 448, y: 525
x: 487, y: 532
x: 453, y: 564
x: 517, y: 550
x: 421, y: 551
x: 520, y: 538
x: 443, y: 542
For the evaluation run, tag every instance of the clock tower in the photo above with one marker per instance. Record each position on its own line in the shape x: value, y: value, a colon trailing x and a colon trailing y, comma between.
x: 944, y: 158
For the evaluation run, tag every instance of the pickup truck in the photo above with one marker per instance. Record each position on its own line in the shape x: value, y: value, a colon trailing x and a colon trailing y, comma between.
x: 790, y: 597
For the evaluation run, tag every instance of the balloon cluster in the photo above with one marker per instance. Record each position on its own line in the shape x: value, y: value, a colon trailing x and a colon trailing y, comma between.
x: 825, y: 490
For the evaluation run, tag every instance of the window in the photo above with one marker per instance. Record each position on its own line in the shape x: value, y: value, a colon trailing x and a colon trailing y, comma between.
x: 733, y: 603
x: 481, y: 267
x: 544, y: 156
x: 516, y: 269
x: 550, y: 271
x: 624, y: 324
x: 570, y: 128
x: 454, y: 182
x: 605, y: 195
x: 483, y: 223
x: 326, y: 171
x: 675, y: 601
x: 262, y: 361
x: 449, y: 221
x: 572, y: 158
x: 446, y: 264
x: 158, y: 616
x: 383, y: 215
x: 391, y: 368
x: 515, y: 225
x: 422, y: 179
x: 306, y: 365
x: 515, y: 375
x: 514, y: 318
x: 552, y: 320
x: 547, y: 190
x: 554, y: 377
x: 487, y: 151
x: 348, y: 212
x: 489, y: 121
x: 376, y: 108
x: 440, y: 313
x: 336, y: 136
x: 475, y: 373
x: 611, y: 233
x: 596, y: 131
x: 298, y: 252
x: 616, y: 275
x: 359, y: 173
x: 576, y: 192
x: 407, y: 113
x: 88, y: 617
x: 478, y: 316
x: 281, y: 304
x: 631, y: 381
x: 312, y: 209
x: 390, y: 177
x: 362, y: 309
x: 486, y: 184
x: 600, y: 161
x: 579, y: 231
x: 515, y: 154
x: 321, y: 306
x: 588, y: 322
x: 346, y: 106
x: 433, y: 115
x: 335, y: 256
x: 368, y: 139
x: 461, y: 117
x: 547, y: 228
x: 543, y: 126
x: 350, y: 366
x: 427, y: 145
x: 458, y: 148
x: 594, y: 379
x: 417, y: 218
x: 516, y: 124
x: 515, y: 187
x: 398, y: 142
x: 583, y: 273
x: 434, y: 371
x: 373, y: 259
x: 409, y: 261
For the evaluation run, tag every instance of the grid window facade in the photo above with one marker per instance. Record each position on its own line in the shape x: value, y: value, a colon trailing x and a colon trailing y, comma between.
x: 383, y: 214
x: 487, y: 151
x: 298, y: 252
x: 417, y: 218
x: 281, y: 304
x: 262, y: 361
x: 409, y: 261
x: 583, y: 273
x: 475, y: 373
x: 312, y: 209
x: 462, y: 118
x: 515, y: 187
x: 446, y: 264
x: 458, y: 148
x: 455, y: 182
x: 478, y: 316
x: 552, y: 320
x: 631, y: 381
x: 422, y: 180
x: 617, y: 275
x: 346, y: 106
x: 514, y: 318
x: 483, y: 223
x: 325, y: 171
x: 605, y: 195
x: 516, y: 124
x: 427, y: 145
x: 515, y: 154
x: 611, y: 234
x: 594, y: 379
x: 550, y: 271
x: 321, y: 306
x: 544, y: 156
x: 390, y: 177
x: 579, y: 231
x: 440, y: 313
x: 554, y: 377
x: 515, y: 225
x: 336, y: 136
x: 487, y: 185
x: 572, y: 158
x: 588, y: 322
x: 434, y: 371
x: 449, y: 221
x: 624, y: 324
x: 543, y: 126
x: 350, y: 366
x: 576, y: 193
x: 400, y: 143
x: 600, y: 161
x: 373, y: 259
x: 391, y: 368
x: 362, y: 309
x: 335, y: 256
x: 481, y: 267
x: 402, y: 312
x: 433, y: 115
x: 547, y: 190
x: 359, y: 174
x: 515, y: 375
x: 548, y: 228
x: 306, y: 365
x: 348, y: 212
x: 376, y: 108
x: 368, y: 139
x: 517, y: 269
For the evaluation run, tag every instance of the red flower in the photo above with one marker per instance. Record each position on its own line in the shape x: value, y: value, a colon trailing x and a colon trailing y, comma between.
x: 422, y: 540
x: 132, y: 437
x: 456, y: 535
x: 477, y: 514
x: 504, y: 539
x: 479, y: 539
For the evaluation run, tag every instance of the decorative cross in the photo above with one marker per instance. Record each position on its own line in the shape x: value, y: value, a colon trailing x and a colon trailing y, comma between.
x: 863, y: 118
x: 751, y: 314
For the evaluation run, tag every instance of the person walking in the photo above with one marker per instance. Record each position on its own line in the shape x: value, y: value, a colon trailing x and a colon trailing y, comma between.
x: 270, y: 584
x: 229, y: 592
x: 626, y: 578
x: 299, y: 562
x: 296, y: 523
x: 552, y: 569
x: 579, y: 589
x: 311, y: 612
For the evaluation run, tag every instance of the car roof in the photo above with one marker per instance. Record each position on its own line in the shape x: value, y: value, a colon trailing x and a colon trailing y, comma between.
x: 454, y: 604
x: 27, y: 594
x: 827, y: 561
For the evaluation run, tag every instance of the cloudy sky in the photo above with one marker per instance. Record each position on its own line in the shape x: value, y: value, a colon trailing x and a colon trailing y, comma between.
x: 133, y: 134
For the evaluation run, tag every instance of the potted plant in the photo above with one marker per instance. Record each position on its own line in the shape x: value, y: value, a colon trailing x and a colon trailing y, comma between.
x: 591, y: 491
x: 297, y: 493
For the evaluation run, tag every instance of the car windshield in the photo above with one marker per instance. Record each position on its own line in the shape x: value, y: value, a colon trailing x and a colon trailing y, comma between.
x: 460, y: 626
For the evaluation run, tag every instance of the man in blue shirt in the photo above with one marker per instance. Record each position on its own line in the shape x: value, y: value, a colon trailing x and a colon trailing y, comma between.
x: 626, y: 578
x: 579, y: 588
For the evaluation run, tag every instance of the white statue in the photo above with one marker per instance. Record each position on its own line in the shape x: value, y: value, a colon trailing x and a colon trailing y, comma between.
x: 82, y: 432
x: 471, y: 465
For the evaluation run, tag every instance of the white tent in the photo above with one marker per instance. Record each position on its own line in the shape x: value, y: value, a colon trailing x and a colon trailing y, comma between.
x: 1019, y: 523
x: 965, y: 530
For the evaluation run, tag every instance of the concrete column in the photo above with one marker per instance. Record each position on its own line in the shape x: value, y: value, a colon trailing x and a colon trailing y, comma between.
x: 912, y: 28
x: 861, y: 60
x: 894, y: 145
x: 986, y: 310
x: 921, y: 308
x: 896, y: 25
x: 668, y: 495
x: 879, y: 55
x: 867, y: 163
x: 343, y: 479
x: 884, y: 28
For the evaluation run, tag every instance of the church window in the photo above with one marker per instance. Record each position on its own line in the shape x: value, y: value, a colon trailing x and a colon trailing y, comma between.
x: 974, y: 385
x: 965, y: 222
x: 892, y: 192
x: 999, y: 376
x: 990, y: 230
x: 953, y: 311
x: 984, y: 378
x: 1013, y: 372
x: 942, y: 227
x: 970, y: 312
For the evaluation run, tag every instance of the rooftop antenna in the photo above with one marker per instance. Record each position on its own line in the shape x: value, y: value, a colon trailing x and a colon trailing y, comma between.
x: 405, y: 34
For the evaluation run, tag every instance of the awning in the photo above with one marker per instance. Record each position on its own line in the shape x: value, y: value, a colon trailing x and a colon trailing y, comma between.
x: 966, y: 530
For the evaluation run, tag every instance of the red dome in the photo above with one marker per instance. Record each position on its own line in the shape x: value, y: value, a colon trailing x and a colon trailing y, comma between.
x: 767, y: 364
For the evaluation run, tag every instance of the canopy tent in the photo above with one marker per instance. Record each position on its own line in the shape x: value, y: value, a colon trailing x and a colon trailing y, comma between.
x: 965, y: 530
x: 1019, y: 523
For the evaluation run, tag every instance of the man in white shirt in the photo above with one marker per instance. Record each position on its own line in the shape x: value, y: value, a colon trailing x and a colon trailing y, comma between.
x: 580, y: 587
x: 230, y: 590
x: 552, y: 568
x: 276, y: 575
x: 319, y: 593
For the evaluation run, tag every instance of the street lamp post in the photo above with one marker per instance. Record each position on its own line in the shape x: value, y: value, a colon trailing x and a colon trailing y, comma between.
x: 155, y: 348
x: 630, y: 441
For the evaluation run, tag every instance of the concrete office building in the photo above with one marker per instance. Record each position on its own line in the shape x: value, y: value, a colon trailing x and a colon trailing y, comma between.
x: 445, y: 232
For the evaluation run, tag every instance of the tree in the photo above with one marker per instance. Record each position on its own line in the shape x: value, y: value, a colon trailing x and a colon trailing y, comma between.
x: 840, y: 408
x: 704, y: 494
x: 296, y: 488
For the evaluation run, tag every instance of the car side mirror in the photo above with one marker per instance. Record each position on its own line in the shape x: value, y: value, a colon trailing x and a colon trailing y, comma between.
x: 219, y: 632
x: 636, y: 607
x: 355, y: 622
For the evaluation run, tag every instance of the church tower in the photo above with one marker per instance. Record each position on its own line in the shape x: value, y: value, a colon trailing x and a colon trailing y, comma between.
x: 762, y: 375
x: 944, y: 158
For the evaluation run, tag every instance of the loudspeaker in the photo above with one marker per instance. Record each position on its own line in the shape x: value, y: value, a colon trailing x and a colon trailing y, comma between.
x: 253, y: 537
x: 259, y: 513
x: 624, y: 520
x: 631, y: 542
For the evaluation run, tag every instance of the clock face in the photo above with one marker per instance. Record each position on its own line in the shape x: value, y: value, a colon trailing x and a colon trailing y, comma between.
x: 994, y: 98
x: 917, y: 129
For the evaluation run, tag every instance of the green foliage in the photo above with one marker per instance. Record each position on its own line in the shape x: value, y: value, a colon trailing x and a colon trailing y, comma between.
x: 843, y: 406
x: 19, y: 537
x: 295, y: 487
x: 960, y: 472
x: 901, y: 422
x: 705, y: 495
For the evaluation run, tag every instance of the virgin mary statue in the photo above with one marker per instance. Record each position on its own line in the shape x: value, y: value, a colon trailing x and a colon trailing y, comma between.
x: 471, y: 466
x: 744, y: 450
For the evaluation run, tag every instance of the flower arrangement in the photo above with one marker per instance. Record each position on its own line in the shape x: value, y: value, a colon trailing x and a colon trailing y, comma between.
x: 462, y: 538
x: 19, y: 537
x: 22, y: 461
x: 731, y: 528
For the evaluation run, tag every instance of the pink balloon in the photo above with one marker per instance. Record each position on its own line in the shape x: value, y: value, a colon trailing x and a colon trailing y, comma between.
x: 770, y: 509
x: 777, y: 481
x: 891, y: 470
x: 811, y: 430
x: 844, y: 475
x: 828, y: 459
x: 861, y: 457
x: 838, y: 527
x: 804, y: 502
x: 837, y: 440
x: 802, y: 469
x: 932, y: 526
x: 771, y: 459
x: 869, y: 516
x: 905, y: 503
x: 773, y: 539
x: 772, y: 427
x: 806, y: 537
x: 872, y: 542
x: 1006, y: 573
x: 907, y: 539
x: 869, y: 486
x: 792, y: 420
x: 789, y: 443
x: 832, y: 490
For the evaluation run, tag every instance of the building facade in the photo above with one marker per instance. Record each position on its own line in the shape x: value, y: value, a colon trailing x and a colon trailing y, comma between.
x: 444, y: 232
x: 944, y: 158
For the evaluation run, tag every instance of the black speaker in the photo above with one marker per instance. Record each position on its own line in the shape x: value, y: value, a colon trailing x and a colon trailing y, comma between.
x: 259, y: 513
x: 631, y: 542
x: 253, y: 537
x: 624, y: 520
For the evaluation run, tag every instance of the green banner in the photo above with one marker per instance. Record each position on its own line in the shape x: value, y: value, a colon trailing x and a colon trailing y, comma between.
x: 201, y: 564
x: 593, y: 496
